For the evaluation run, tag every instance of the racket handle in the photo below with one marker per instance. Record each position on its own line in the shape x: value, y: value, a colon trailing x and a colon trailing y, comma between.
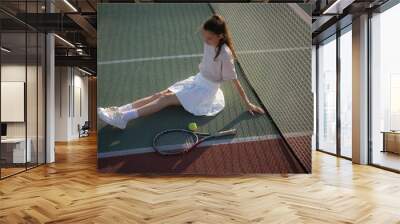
x: 227, y: 132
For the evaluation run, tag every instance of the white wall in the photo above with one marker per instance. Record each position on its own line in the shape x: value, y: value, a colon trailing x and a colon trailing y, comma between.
x: 9, y: 73
x: 80, y: 84
x: 34, y: 125
x: 70, y: 83
x: 16, y: 72
x: 61, y: 103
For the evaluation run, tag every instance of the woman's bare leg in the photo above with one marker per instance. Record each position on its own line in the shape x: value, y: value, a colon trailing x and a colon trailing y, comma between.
x: 120, y: 119
x: 143, y: 101
x: 167, y: 98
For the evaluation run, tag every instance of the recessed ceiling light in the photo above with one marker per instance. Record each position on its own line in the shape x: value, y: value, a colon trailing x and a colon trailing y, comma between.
x: 84, y: 71
x: 70, y: 5
x: 338, y: 6
x: 65, y: 41
x: 5, y: 50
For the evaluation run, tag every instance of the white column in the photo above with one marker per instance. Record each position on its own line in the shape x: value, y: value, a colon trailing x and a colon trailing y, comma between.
x: 360, y: 90
x: 50, y: 93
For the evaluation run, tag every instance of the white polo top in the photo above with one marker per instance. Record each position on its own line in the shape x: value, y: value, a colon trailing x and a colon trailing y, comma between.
x: 220, y: 69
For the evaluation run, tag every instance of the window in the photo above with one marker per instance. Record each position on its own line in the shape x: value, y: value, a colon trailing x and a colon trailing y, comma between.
x: 327, y: 95
x: 385, y: 89
x: 346, y: 92
x: 22, y: 88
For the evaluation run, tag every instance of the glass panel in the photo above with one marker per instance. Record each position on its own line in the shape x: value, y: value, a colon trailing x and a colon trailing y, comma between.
x: 32, y: 87
x: 23, y: 89
x: 385, y: 89
x: 327, y: 96
x: 31, y: 100
x: 346, y: 93
x: 13, y: 87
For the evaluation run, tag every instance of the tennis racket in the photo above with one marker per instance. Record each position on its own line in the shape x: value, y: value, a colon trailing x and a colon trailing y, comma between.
x: 178, y: 141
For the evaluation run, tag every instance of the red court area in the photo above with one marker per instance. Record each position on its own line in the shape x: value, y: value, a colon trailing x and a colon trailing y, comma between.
x: 266, y: 156
x: 301, y: 146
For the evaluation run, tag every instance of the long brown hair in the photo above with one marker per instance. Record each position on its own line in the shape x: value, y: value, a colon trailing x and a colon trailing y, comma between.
x: 217, y: 25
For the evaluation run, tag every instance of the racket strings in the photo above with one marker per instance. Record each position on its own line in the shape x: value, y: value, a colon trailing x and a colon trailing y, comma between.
x: 175, y: 141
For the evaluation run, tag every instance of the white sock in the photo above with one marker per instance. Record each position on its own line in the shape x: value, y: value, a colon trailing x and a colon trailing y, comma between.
x: 125, y: 107
x: 130, y: 114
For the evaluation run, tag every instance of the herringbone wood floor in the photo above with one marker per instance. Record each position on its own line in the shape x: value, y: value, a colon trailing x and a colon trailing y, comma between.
x: 73, y: 191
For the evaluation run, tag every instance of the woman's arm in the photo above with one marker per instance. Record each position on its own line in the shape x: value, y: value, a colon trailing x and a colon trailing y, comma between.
x: 250, y: 107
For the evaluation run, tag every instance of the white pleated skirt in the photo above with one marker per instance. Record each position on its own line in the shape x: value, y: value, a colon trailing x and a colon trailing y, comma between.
x: 199, y: 96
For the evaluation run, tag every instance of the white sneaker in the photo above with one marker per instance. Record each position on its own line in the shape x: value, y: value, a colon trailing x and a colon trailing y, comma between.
x: 107, y: 109
x: 112, y: 116
x: 102, y: 113
x: 111, y: 109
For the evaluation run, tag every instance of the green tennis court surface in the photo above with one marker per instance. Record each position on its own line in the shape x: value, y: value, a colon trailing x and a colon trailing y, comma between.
x: 120, y: 83
x: 146, y: 30
x: 144, y: 48
x: 145, y: 78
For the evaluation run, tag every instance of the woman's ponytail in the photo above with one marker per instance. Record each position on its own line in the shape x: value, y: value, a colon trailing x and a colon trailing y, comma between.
x: 217, y: 25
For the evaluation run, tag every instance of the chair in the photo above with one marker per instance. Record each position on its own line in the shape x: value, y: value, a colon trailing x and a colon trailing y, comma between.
x: 84, y: 130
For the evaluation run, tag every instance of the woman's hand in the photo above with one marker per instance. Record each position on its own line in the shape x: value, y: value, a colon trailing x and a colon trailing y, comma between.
x: 254, y: 109
x: 250, y: 107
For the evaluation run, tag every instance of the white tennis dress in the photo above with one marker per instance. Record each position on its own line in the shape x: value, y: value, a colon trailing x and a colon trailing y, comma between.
x: 201, y: 94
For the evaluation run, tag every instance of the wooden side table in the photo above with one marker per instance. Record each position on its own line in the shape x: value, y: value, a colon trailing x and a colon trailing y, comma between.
x: 391, y: 141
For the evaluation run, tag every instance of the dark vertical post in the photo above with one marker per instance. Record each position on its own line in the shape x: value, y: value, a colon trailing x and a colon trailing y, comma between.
x: 369, y: 100
x: 338, y: 73
x: 317, y: 97
x: 45, y: 87
x: 37, y: 88
x: 26, y: 86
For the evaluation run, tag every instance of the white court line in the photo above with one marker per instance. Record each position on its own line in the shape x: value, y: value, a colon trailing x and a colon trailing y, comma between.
x: 206, y: 143
x: 197, y: 55
x: 274, y: 50
x: 150, y: 59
